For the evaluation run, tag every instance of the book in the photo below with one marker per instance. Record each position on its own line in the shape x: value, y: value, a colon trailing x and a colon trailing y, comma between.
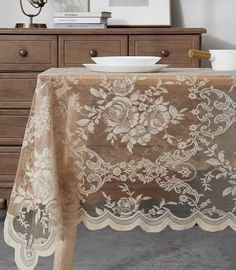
x: 79, y: 20
x: 81, y: 25
x: 102, y: 14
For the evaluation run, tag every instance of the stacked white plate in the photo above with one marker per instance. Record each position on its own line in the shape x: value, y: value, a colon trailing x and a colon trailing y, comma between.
x: 126, y: 64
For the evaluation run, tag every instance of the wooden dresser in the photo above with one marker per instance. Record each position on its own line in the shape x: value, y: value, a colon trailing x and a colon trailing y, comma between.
x: 25, y: 53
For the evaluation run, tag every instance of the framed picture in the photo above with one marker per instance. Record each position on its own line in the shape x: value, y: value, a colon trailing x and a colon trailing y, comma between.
x: 135, y: 12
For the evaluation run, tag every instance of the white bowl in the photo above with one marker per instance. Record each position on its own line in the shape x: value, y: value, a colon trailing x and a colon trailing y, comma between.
x: 126, y: 69
x: 126, y: 60
x: 223, y: 60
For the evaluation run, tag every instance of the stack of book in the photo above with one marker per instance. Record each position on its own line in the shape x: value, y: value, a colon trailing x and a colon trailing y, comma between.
x: 81, y: 19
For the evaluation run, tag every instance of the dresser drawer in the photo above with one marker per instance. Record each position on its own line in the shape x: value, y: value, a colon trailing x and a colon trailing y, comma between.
x: 172, y: 48
x: 77, y: 50
x: 13, y: 123
x: 9, y: 157
x: 27, y: 52
x: 17, y: 90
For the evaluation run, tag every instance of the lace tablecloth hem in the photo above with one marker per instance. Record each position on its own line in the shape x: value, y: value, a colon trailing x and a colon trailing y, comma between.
x: 118, y: 224
x: 13, y: 240
x: 159, y: 224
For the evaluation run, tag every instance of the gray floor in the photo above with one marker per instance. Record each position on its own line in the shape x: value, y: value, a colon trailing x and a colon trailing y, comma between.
x: 106, y: 249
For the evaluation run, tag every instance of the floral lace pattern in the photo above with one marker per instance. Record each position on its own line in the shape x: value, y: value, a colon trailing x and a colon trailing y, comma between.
x: 124, y: 150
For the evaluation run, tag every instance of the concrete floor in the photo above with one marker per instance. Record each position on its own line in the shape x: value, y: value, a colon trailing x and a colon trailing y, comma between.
x: 106, y: 249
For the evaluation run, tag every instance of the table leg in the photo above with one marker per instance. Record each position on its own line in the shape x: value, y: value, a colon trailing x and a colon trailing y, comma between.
x: 3, y: 204
x: 63, y: 258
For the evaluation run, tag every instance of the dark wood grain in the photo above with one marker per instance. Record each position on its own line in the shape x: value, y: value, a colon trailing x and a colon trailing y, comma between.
x: 13, y: 123
x: 9, y: 157
x: 40, y: 52
x: 109, y: 31
x: 76, y: 50
x: 173, y: 49
x: 16, y: 90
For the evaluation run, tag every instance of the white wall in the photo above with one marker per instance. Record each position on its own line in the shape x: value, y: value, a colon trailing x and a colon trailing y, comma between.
x: 10, y: 12
x: 218, y: 16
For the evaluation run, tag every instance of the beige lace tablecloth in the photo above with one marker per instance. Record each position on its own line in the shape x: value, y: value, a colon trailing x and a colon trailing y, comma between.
x: 124, y: 150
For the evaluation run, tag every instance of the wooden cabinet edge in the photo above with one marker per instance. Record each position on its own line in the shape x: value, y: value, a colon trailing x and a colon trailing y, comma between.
x: 108, y: 31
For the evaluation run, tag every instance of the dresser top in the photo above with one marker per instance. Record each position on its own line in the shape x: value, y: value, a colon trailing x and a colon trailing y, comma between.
x: 113, y: 30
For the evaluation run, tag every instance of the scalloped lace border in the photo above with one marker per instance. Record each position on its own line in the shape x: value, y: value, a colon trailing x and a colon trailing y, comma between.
x: 157, y: 225
x: 118, y: 224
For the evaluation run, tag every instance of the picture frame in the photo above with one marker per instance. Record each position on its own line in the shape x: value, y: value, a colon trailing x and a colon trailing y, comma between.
x: 135, y: 12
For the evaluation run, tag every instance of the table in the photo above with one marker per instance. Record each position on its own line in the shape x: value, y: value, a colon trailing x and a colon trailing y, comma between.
x: 123, y: 150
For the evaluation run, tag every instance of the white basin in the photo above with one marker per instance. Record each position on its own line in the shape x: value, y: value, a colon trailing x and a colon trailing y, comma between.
x: 126, y: 60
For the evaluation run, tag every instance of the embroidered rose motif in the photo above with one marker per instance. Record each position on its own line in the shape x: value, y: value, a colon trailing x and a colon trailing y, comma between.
x: 126, y: 116
x: 136, y: 135
x: 39, y: 123
x: 122, y: 87
x: 41, y: 178
x: 127, y: 206
x: 139, y: 135
x: 43, y: 190
x: 120, y: 115
x: 156, y: 120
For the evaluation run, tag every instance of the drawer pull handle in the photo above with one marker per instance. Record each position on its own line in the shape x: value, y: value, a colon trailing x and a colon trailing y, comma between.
x: 93, y: 53
x: 23, y: 53
x: 165, y: 53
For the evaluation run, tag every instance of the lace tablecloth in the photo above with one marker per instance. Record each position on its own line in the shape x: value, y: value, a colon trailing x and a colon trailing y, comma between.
x: 124, y: 150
